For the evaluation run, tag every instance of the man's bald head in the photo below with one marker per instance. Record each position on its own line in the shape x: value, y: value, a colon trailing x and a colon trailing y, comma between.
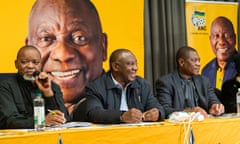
x: 225, y: 22
x: 71, y: 8
x: 27, y: 47
x: 117, y: 55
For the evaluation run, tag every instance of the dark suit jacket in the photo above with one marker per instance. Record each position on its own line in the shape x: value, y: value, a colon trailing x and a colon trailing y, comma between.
x: 16, y: 111
x: 229, y: 90
x: 210, y: 70
x: 103, y: 99
x: 170, y: 93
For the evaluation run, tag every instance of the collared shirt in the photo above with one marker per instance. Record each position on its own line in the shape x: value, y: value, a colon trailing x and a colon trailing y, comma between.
x: 219, y: 78
x: 210, y: 69
x: 123, y: 105
x: 190, y: 98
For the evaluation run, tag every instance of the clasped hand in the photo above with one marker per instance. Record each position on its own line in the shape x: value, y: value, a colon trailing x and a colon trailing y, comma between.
x: 217, y: 109
x: 135, y: 115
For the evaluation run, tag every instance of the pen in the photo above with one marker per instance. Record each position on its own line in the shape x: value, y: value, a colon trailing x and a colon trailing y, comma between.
x: 81, y: 101
x: 51, y: 111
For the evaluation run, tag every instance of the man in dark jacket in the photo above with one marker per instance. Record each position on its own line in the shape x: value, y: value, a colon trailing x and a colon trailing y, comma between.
x: 223, y: 42
x: 230, y: 88
x: 119, y: 95
x: 185, y: 89
x: 17, y: 93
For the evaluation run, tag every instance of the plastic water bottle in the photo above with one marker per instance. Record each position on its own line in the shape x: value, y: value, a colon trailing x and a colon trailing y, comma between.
x: 39, y: 112
x: 238, y: 101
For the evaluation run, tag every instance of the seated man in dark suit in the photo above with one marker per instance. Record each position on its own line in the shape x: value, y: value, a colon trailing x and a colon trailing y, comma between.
x: 17, y: 93
x: 119, y: 95
x: 185, y: 89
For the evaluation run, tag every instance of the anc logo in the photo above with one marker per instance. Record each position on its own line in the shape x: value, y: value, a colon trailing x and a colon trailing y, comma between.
x: 199, y: 20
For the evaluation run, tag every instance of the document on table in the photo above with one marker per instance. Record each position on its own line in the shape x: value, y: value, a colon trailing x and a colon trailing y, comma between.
x: 72, y: 125
x: 14, y: 131
x: 51, y: 128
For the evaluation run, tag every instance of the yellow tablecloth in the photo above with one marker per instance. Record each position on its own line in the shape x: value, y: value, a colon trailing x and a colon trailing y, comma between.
x: 209, y: 131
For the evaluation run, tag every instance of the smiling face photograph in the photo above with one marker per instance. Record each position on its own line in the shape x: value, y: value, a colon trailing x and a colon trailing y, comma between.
x: 74, y: 37
x: 73, y: 47
x: 101, y: 71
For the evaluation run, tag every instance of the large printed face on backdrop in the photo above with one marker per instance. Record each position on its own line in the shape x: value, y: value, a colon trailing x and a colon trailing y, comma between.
x: 69, y: 36
x: 222, y: 38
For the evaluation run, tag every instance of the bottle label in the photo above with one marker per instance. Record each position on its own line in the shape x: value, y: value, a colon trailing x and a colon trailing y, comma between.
x: 238, y: 99
x: 39, y: 116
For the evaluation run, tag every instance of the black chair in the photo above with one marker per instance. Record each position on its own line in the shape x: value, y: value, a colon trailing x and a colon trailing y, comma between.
x: 6, y: 75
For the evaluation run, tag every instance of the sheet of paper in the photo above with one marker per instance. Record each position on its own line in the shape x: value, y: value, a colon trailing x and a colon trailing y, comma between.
x: 72, y: 125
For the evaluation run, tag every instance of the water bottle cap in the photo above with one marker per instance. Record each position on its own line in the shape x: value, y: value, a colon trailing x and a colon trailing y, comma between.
x: 38, y: 94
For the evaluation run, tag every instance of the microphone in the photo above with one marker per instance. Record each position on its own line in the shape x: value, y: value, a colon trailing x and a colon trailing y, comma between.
x: 42, y: 80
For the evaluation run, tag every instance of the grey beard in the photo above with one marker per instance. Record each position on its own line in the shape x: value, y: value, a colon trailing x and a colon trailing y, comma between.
x: 28, y: 78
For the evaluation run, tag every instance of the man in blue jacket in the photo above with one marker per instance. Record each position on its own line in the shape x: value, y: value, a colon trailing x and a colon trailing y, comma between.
x: 119, y: 95
x: 223, y: 41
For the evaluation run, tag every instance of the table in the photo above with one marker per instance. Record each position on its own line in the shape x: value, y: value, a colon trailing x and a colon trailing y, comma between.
x: 211, y: 130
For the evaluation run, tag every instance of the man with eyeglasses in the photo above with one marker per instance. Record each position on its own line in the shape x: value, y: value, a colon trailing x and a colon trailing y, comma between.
x: 223, y: 40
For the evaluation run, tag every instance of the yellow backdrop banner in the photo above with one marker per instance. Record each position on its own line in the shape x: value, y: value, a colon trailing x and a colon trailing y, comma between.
x: 199, y: 16
x: 122, y: 20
